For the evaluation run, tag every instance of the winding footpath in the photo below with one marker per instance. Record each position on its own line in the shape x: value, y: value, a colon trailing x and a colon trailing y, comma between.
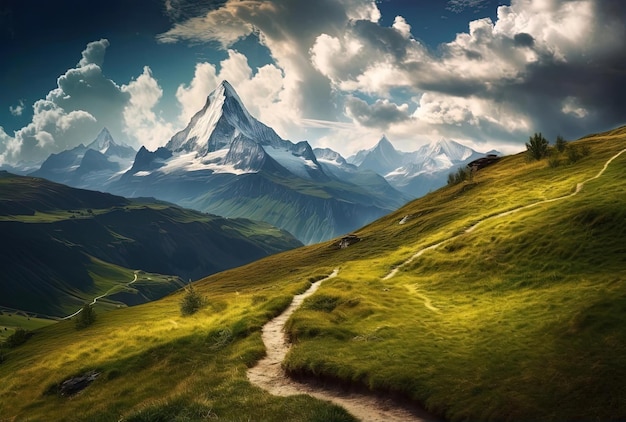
x: 470, y: 229
x: 269, y: 375
x: 95, y: 299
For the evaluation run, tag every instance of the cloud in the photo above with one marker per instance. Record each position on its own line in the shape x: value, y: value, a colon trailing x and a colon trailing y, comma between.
x: 279, y: 26
x: 192, y: 97
x: 84, y: 102
x: 259, y: 90
x: 381, y: 114
x: 141, y: 122
x: 500, y: 78
x: 94, y: 53
x: 18, y: 109
x: 543, y: 65
x: 8, y: 147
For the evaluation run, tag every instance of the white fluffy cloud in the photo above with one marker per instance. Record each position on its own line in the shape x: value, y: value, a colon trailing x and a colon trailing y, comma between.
x: 279, y: 26
x: 84, y: 102
x: 258, y: 90
x: 542, y: 65
x: 18, y: 109
x: 141, y: 122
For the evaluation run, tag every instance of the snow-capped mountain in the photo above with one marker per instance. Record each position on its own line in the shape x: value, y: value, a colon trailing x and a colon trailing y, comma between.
x: 415, y: 173
x: 382, y: 159
x: 91, y: 166
x: 106, y: 145
x: 224, y: 138
x: 227, y: 162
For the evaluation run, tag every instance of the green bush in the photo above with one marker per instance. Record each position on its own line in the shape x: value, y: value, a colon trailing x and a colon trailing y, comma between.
x: 461, y: 175
x: 20, y: 336
x: 575, y: 152
x: 86, y: 317
x: 191, y: 301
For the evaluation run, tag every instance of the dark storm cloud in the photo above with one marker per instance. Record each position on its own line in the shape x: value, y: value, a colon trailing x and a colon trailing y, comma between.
x: 381, y: 39
x: 381, y: 114
x: 523, y: 39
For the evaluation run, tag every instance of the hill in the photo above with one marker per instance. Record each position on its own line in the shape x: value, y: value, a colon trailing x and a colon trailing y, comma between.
x: 62, y: 246
x: 503, y: 298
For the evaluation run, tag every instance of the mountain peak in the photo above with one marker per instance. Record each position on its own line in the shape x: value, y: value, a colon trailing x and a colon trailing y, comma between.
x: 103, y: 141
x: 384, y: 142
x: 214, y: 126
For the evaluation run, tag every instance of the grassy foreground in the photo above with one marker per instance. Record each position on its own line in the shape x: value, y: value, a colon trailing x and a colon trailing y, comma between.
x: 522, y: 319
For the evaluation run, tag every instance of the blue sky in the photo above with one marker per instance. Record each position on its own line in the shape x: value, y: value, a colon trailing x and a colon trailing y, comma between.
x: 338, y: 73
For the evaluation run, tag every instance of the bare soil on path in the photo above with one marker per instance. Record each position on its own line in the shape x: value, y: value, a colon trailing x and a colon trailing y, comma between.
x: 269, y: 375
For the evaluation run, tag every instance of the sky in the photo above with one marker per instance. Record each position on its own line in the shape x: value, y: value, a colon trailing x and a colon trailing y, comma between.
x: 337, y: 73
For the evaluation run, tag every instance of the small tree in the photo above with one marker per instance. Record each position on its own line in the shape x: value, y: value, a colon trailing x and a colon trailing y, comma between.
x: 537, y: 146
x: 462, y: 174
x: 191, y: 301
x: 560, y: 143
x: 86, y: 317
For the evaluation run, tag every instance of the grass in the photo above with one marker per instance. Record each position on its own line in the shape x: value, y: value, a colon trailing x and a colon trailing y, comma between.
x: 521, y: 319
x: 11, y: 320
x: 498, y: 324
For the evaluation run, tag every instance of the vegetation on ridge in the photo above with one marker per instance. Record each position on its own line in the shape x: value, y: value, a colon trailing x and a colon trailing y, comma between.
x: 520, y: 319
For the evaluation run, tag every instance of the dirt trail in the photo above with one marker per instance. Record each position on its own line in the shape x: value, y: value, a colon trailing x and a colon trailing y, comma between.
x: 470, y: 229
x: 95, y: 299
x: 269, y: 375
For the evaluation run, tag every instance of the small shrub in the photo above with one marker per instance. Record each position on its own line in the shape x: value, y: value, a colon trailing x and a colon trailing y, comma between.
x: 220, y: 339
x: 575, y: 152
x: 537, y: 147
x: 554, y: 161
x: 322, y: 303
x: 19, y: 337
x: 560, y: 143
x: 86, y: 317
x: 461, y: 175
x: 191, y: 301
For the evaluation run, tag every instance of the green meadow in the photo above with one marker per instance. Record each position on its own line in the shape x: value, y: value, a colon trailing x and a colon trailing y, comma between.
x: 521, y: 318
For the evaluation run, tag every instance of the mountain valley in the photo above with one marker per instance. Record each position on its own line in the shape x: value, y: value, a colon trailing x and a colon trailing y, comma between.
x: 63, y: 246
x: 499, y: 298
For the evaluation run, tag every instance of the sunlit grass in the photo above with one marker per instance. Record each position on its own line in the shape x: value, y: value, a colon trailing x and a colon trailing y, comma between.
x: 521, y: 319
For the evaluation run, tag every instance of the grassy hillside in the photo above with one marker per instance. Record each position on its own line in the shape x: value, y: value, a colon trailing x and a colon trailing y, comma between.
x: 521, y: 318
x: 62, y: 246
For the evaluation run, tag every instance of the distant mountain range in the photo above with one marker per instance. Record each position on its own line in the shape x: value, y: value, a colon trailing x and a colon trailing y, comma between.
x: 419, y: 172
x: 92, y: 166
x: 61, y: 245
x: 228, y: 163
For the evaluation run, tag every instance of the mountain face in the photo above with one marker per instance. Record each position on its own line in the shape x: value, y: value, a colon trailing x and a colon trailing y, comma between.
x: 419, y: 172
x: 227, y: 162
x: 57, y: 239
x: 91, y: 166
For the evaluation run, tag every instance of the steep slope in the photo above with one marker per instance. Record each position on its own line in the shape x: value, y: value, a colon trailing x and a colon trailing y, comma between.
x: 508, y: 304
x: 56, y: 240
x: 227, y: 162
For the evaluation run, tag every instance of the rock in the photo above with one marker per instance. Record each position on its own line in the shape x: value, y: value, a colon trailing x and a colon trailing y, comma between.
x: 348, y: 240
x: 71, y: 386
